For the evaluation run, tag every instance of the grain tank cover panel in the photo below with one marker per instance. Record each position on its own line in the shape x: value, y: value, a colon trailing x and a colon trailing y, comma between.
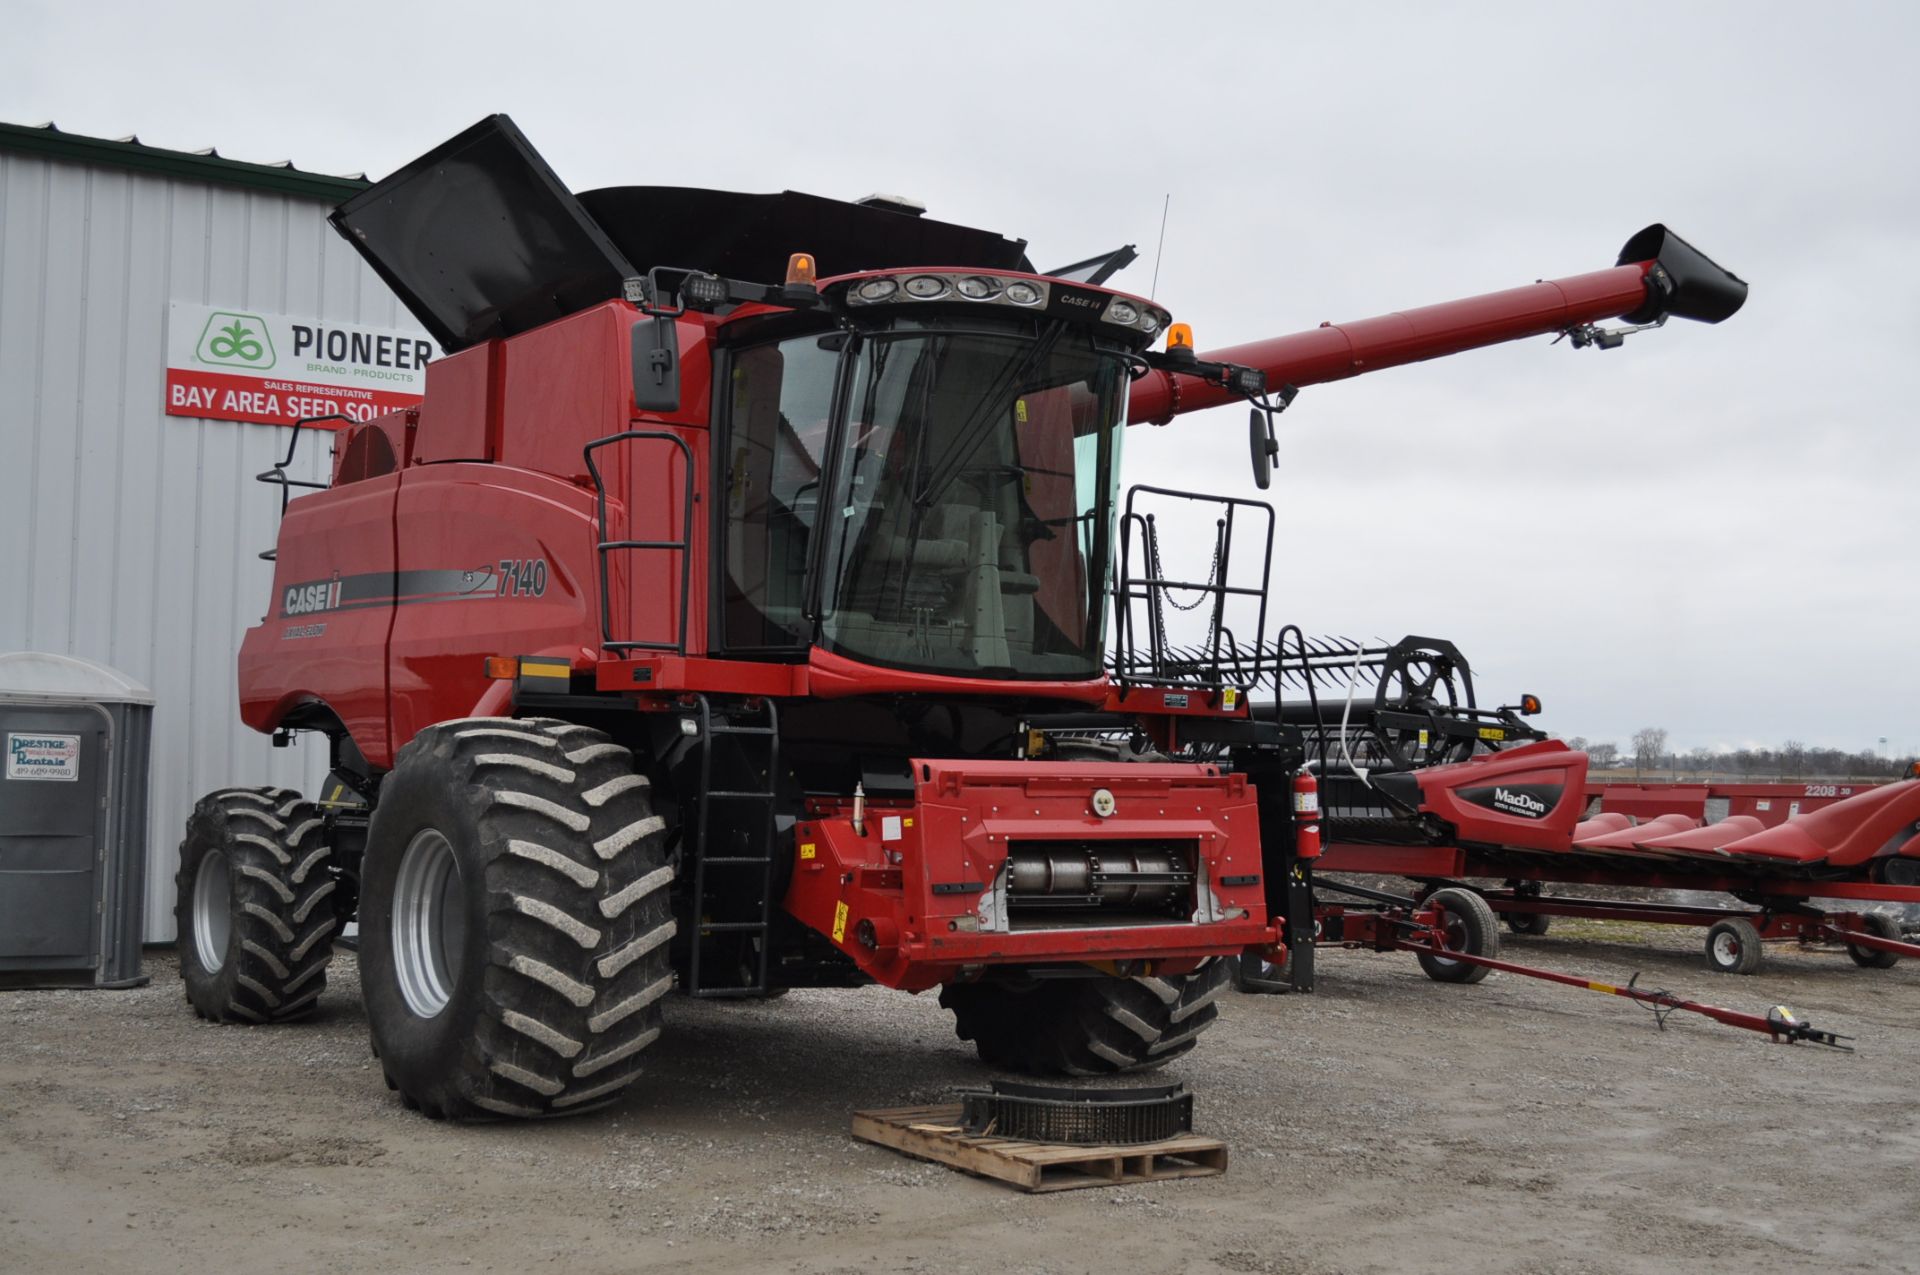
x: 480, y: 240
x: 751, y: 236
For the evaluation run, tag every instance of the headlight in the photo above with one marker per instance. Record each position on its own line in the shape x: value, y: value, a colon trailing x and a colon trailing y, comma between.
x: 1121, y: 312
x: 925, y: 287
x: 1020, y: 292
x: 976, y: 288
x: 876, y: 289
x: 1149, y: 324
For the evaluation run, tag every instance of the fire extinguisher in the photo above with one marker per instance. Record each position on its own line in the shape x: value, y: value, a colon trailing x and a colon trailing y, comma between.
x: 1306, y: 816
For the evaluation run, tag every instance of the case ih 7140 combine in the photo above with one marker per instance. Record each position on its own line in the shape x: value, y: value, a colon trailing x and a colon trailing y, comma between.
x: 714, y: 625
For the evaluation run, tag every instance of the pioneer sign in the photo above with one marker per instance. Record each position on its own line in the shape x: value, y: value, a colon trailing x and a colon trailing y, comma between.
x: 234, y: 364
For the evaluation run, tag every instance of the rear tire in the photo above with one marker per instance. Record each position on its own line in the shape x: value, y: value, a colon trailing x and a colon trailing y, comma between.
x: 1469, y: 926
x: 1086, y: 1026
x: 1733, y: 947
x: 1882, y: 926
x: 514, y: 920
x: 253, y: 906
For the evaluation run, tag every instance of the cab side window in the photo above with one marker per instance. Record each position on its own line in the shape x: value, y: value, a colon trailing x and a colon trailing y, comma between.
x: 779, y: 407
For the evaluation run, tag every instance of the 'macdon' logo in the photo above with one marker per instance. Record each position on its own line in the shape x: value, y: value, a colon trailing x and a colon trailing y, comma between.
x: 1519, y: 803
x: 306, y: 599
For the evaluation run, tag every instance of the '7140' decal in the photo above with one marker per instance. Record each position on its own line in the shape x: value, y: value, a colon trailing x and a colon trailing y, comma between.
x: 521, y: 578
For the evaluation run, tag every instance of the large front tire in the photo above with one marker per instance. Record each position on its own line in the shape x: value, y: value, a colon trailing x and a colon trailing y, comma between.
x: 1086, y: 1026
x: 253, y: 906
x: 514, y: 919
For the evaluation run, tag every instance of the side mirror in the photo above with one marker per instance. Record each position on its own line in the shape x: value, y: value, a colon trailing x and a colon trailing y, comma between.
x: 656, y: 365
x: 1261, y: 443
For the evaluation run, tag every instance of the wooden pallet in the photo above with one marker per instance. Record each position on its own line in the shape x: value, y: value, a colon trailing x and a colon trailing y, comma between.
x: 934, y: 1133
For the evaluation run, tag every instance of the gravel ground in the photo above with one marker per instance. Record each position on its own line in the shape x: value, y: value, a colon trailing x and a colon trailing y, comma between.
x: 1386, y: 1123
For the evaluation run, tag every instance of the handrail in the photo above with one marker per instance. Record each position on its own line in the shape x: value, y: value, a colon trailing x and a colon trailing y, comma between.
x: 605, y: 545
x: 1210, y: 663
x: 279, y: 477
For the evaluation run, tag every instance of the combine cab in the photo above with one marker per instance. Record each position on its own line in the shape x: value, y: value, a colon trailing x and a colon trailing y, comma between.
x: 722, y: 625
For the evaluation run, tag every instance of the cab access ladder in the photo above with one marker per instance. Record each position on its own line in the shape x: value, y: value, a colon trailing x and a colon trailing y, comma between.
x: 732, y: 850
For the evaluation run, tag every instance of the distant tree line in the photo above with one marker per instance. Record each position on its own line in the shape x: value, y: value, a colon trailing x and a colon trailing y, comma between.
x: 1649, y: 756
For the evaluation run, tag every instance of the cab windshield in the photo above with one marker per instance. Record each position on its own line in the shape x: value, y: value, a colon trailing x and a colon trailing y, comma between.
x: 962, y: 516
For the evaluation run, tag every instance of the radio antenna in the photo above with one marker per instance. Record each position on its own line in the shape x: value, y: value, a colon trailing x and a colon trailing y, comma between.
x: 1154, y: 292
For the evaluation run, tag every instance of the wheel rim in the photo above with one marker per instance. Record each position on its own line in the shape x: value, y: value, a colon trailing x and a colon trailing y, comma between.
x: 1726, y: 949
x: 212, y: 911
x: 429, y: 923
x: 1453, y: 935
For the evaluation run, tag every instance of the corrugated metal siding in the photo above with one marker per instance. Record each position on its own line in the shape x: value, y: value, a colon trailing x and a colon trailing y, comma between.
x: 128, y: 536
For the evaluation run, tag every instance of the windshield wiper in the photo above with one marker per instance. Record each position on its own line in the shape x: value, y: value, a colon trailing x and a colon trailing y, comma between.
x: 974, y: 434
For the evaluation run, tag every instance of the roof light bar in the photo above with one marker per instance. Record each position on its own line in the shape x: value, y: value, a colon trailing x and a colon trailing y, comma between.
x: 1028, y: 294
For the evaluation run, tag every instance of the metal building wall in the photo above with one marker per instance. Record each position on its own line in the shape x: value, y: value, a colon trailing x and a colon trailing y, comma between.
x: 128, y: 536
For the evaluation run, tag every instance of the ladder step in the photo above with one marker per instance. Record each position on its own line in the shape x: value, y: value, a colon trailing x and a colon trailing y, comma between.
x: 741, y: 796
x: 736, y: 859
x: 718, y: 729
x: 733, y: 927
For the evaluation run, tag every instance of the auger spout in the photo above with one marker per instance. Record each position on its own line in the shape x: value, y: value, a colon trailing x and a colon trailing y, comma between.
x: 1659, y: 275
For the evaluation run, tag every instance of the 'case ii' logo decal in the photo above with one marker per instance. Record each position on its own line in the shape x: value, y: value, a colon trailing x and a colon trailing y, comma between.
x: 235, y: 340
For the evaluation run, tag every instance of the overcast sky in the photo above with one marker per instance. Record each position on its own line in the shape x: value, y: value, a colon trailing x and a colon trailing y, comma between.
x: 1713, y: 529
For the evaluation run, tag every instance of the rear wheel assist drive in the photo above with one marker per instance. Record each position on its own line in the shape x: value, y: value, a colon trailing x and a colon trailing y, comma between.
x: 1086, y: 1026
x: 1733, y: 946
x: 1467, y: 925
x: 1881, y: 926
x: 254, y: 906
x: 514, y: 920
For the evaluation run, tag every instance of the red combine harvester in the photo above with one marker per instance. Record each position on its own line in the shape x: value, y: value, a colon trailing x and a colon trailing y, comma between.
x: 716, y: 624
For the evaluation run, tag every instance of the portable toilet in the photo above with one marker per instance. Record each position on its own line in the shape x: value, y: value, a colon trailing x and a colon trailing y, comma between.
x: 73, y: 821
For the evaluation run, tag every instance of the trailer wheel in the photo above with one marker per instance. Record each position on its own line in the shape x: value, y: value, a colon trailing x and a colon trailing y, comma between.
x: 1086, y: 1026
x: 253, y: 907
x: 1257, y: 976
x: 1733, y: 946
x: 514, y: 919
x: 1468, y: 925
x: 1880, y: 925
x: 1532, y: 924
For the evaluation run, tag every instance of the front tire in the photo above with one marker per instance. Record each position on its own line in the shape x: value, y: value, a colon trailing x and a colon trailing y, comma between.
x: 1086, y: 1026
x: 1467, y: 925
x: 1733, y: 947
x: 514, y: 919
x: 1531, y: 924
x: 1881, y: 926
x: 253, y: 906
